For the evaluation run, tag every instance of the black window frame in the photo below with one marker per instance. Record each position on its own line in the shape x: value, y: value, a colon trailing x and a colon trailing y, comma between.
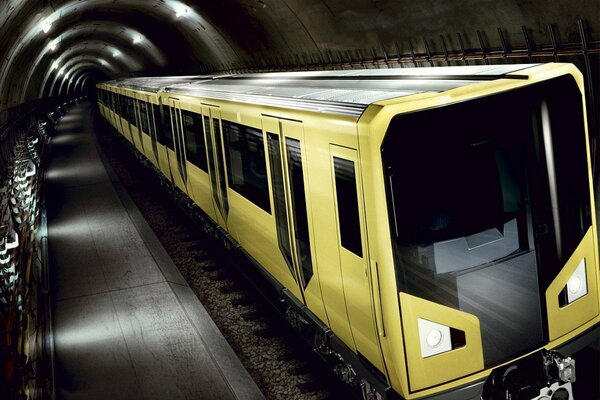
x: 193, y: 133
x: 299, y: 210
x: 347, y: 205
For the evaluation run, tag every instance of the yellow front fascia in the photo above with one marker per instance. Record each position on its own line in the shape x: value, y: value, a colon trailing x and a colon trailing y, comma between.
x: 562, y: 320
x: 424, y: 372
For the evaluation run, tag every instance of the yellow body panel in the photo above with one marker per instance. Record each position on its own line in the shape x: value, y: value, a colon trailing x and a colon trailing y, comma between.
x: 148, y: 151
x: 562, y: 320
x: 199, y: 188
x: 425, y: 372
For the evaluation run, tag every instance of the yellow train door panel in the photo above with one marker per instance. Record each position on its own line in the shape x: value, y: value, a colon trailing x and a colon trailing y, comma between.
x: 211, y: 120
x: 146, y: 124
x: 292, y: 207
x: 123, y: 123
x: 353, y: 252
x: 163, y: 121
x: 177, y: 158
x: 136, y: 131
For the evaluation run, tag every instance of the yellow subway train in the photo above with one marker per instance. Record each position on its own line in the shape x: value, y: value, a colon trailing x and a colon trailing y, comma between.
x: 433, y: 229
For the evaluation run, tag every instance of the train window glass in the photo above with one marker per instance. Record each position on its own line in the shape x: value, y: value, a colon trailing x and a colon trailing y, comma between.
x: 221, y: 165
x: 347, y: 203
x: 277, y: 183
x: 168, y: 128
x: 194, y: 139
x: 117, y: 105
x: 143, y: 117
x: 246, y: 165
x: 158, y: 121
x: 131, y: 111
x: 138, y: 105
x: 211, y: 159
x: 120, y: 104
x: 123, y: 110
x: 126, y: 107
x: 299, y: 210
x: 151, y: 125
x: 562, y: 111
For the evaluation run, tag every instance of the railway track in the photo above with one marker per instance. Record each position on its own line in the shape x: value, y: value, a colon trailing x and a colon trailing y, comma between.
x: 282, y: 364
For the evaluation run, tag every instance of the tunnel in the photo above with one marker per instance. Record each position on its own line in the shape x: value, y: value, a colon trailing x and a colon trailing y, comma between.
x: 97, y: 302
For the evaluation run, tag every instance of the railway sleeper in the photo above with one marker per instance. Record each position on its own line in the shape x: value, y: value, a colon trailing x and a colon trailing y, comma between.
x: 243, y: 301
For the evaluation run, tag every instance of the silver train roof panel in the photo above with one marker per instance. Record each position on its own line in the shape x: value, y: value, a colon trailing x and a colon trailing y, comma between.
x: 344, y: 92
x: 155, y: 84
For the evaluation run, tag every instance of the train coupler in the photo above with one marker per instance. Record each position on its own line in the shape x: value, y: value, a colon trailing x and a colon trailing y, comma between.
x: 545, y: 375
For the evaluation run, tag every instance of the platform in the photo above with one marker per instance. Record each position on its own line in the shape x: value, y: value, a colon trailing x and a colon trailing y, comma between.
x: 126, y: 324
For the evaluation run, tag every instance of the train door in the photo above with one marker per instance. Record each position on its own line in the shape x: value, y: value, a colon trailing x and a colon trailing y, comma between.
x: 211, y: 121
x: 131, y: 120
x: 120, y: 113
x: 152, y: 130
x: 163, y: 133
x: 285, y: 144
x: 148, y: 133
x: 353, y: 253
x: 177, y: 163
x: 127, y: 117
x: 138, y: 123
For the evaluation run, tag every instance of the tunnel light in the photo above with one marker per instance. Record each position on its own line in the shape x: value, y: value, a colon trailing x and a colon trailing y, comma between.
x: 179, y: 8
x: 53, y: 45
x: 62, y: 71
x: 137, y: 39
x: 434, y: 338
x: 46, y: 25
x: 55, y: 65
x: 116, y: 53
x: 577, y: 283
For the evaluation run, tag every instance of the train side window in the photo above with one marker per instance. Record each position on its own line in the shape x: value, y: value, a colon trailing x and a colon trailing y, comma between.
x: 220, y: 163
x: 299, y: 210
x: 131, y: 111
x: 168, y: 128
x: 246, y: 165
x: 158, y: 121
x: 277, y: 181
x: 347, y: 205
x: 138, y: 106
x: 211, y: 159
x: 143, y: 117
x: 194, y: 139
x: 123, y: 106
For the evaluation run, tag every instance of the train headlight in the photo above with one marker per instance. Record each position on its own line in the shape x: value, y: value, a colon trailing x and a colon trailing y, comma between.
x: 434, y: 338
x: 577, y: 283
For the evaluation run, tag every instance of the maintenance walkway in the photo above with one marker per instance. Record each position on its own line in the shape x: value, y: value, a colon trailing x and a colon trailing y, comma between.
x: 126, y: 324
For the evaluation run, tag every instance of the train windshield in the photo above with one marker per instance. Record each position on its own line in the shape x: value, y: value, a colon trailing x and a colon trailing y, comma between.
x: 487, y: 199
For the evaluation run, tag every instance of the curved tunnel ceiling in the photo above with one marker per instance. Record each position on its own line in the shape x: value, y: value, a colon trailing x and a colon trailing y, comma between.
x: 52, y: 47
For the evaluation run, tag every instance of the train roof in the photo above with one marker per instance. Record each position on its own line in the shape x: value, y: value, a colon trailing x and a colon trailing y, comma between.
x: 344, y: 92
x: 155, y: 84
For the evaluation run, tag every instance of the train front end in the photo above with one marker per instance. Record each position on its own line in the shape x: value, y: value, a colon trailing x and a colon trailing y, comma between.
x: 494, y: 241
